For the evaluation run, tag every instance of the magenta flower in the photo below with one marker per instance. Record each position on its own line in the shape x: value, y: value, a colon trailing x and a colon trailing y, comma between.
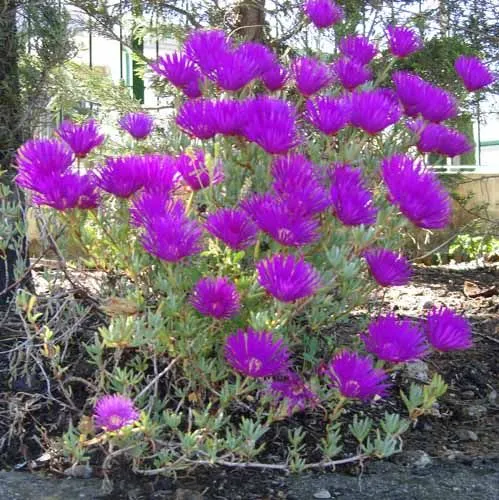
x: 233, y: 227
x: 374, y: 110
x: 403, y: 41
x: 181, y: 72
x: 67, y: 191
x: 328, y: 114
x: 447, y: 331
x: 387, y: 267
x: 195, y: 171
x: 172, y: 236
x: 38, y: 159
x: 352, y: 202
x: 121, y: 176
x: 115, y: 412
x: 288, y: 278
x: 416, y: 192
x: 138, y: 125
x: 438, y: 105
x: 275, y: 77
x: 271, y: 123
x: 256, y: 354
x: 351, y: 73
x: 296, y: 394
x: 216, y: 297
x: 260, y: 54
x: 311, y: 75
x: 355, y: 376
x: 296, y: 182
x: 359, y: 48
x: 207, y: 48
x: 160, y: 173
x: 395, y: 340
x: 229, y: 117
x: 197, y: 118
x: 273, y: 217
x: 152, y: 205
x: 235, y: 70
x: 323, y: 13
x: 474, y: 74
x: 80, y: 138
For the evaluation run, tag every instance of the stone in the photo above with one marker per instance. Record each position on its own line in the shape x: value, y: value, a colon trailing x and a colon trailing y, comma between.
x: 322, y: 494
x: 468, y: 395
x: 466, y: 435
x: 418, y: 371
x: 492, y: 396
x: 428, y: 305
x: 79, y: 471
x: 420, y: 459
x: 476, y: 411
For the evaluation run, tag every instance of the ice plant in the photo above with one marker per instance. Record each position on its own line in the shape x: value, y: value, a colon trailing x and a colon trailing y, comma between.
x: 288, y: 278
x: 294, y: 392
x: 159, y: 173
x: 311, y: 75
x: 403, y: 41
x: 121, y: 176
x: 358, y: 47
x: 229, y: 117
x: 236, y: 69
x: 328, y: 114
x: 323, y: 13
x: 233, y: 227
x: 474, y: 74
x: 114, y: 412
x: 206, y: 48
x: 271, y: 123
x: 273, y: 217
x: 216, y: 297
x: 181, y: 72
x: 387, y: 267
x: 138, y: 125
x: 81, y: 138
x: 198, y: 118
x: 416, y: 192
x: 374, y: 110
x: 256, y: 354
x: 355, y: 376
x: 395, y: 340
x: 195, y: 172
x: 152, y: 205
x: 447, y: 331
x: 275, y: 77
x: 351, y: 73
x: 352, y: 202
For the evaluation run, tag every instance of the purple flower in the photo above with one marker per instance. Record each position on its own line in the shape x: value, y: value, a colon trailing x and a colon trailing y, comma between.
x: 288, y: 278
x: 328, y: 114
x: 138, y: 125
x: 297, y: 184
x: 172, y: 236
x: 80, y: 138
x: 374, y: 110
x: 474, y: 74
x: 403, y: 41
x: 358, y: 47
x: 275, y: 77
x: 323, y: 13
x: 196, y: 173
x: 197, y: 118
x: 273, y: 217
x: 181, y: 72
x: 417, y: 192
x: 256, y: 354
x: 311, y: 75
x: 351, y: 73
x: 355, y: 376
x: 294, y: 392
x: 387, y: 267
x: 66, y: 191
x: 38, y: 159
x: 229, y: 117
x: 438, y: 105
x: 114, y: 412
x: 160, y: 173
x: 216, y: 297
x: 233, y: 227
x: 271, y: 123
x: 152, y: 205
x: 235, y: 70
x: 207, y: 48
x: 260, y: 54
x: 121, y: 176
x: 395, y: 340
x: 447, y: 331
x: 352, y: 202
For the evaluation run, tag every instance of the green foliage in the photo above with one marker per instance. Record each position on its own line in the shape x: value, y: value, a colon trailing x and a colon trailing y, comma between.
x: 468, y: 247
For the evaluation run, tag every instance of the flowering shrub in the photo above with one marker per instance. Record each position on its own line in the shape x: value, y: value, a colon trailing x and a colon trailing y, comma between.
x: 270, y: 222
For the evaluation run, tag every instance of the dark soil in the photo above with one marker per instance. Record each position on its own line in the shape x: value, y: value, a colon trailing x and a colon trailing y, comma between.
x: 462, y: 437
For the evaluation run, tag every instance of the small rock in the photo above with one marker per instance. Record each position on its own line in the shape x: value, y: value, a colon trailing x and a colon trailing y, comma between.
x: 475, y: 411
x: 468, y: 395
x: 418, y: 371
x: 492, y: 396
x: 421, y: 459
x: 428, y: 304
x: 79, y: 471
x: 322, y: 494
x: 466, y: 435
x: 182, y: 494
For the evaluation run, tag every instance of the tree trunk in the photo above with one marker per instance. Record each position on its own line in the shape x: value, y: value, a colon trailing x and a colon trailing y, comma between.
x: 251, y: 19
